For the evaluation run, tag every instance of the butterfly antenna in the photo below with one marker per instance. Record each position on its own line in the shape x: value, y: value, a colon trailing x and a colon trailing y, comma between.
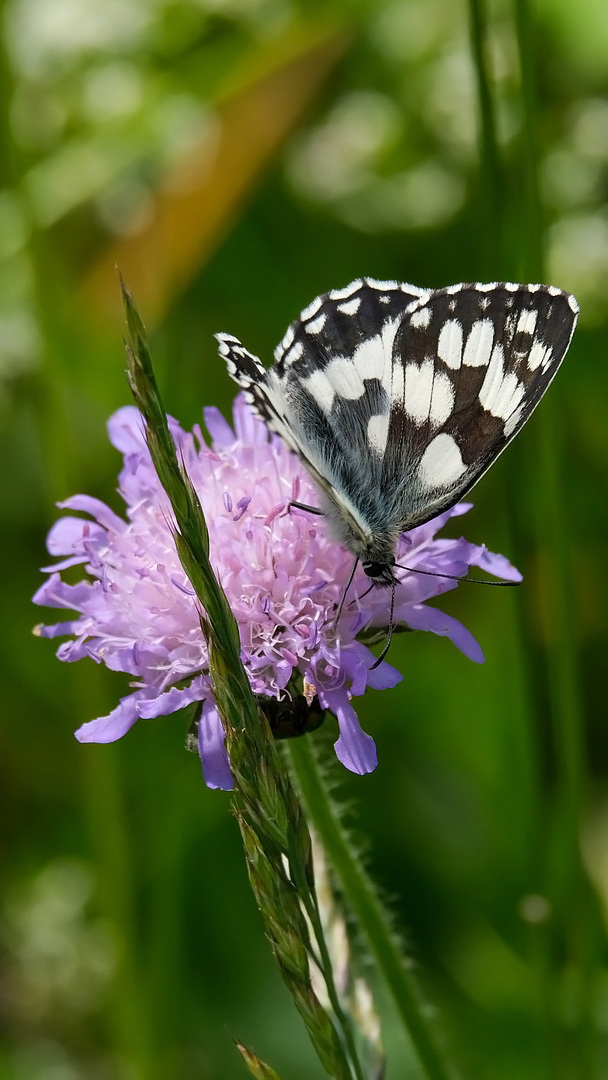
x: 346, y: 588
x: 456, y: 577
x: 389, y: 636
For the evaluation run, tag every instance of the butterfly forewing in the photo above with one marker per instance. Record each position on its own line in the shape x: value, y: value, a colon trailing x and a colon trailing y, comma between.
x: 470, y: 364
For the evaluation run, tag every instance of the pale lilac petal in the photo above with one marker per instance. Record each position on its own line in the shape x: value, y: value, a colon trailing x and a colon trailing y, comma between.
x: 384, y: 677
x: 428, y: 618
x: 357, y: 661
x: 63, y: 564
x: 56, y: 593
x: 247, y: 427
x: 174, y: 699
x: 96, y: 508
x: 126, y: 430
x: 497, y: 565
x: 218, y: 427
x: 355, y: 749
x: 67, y: 536
x: 57, y: 629
x: 107, y: 729
x: 212, y: 750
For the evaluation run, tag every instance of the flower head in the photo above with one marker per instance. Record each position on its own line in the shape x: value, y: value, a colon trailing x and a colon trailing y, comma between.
x: 283, y: 574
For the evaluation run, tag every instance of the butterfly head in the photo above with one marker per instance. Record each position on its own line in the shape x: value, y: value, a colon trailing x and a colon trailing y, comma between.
x: 381, y: 573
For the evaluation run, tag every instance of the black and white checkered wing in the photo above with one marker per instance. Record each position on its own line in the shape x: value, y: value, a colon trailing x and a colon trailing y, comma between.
x: 398, y: 399
x: 470, y: 364
x: 332, y: 374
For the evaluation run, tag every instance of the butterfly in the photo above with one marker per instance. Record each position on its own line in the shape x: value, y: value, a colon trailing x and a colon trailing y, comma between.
x: 398, y: 399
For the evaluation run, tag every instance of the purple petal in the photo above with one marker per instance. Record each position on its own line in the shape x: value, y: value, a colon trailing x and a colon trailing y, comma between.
x: 497, y: 565
x: 357, y: 660
x: 96, y: 508
x: 174, y: 699
x: 424, y: 533
x: 384, y: 677
x: 70, y: 651
x: 218, y: 427
x: 212, y: 750
x: 109, y: 728
x: 45, y: 630
x: 421, y: 617
x: 355, y: 749
x: 248, y: 428
x: 66, y: 536
x: 126, y: 430
x: 55, y: 593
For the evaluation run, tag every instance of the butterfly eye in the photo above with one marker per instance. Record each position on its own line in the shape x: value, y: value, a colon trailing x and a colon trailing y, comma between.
x: 374, y: 569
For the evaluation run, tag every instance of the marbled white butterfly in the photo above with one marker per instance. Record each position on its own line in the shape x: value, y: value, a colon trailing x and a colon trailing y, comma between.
x: 398, y: 399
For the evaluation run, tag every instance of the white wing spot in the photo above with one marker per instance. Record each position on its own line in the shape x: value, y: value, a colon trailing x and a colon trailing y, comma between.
x: 397, y: 383
x: 449, y: 347
x: 344, y: 377
x: 441, y: 464
x: 293, y: 354
x: 513, y: 421
x: 351, y: 307
x: 442, y: 399
x: 500, y: 393
x: 479, y: 344
x: 421, y: 318
x: 311, y: 310
x: 526, y: 324
x: 373, y: 358
x: 383, y: 286
x: 418, y: 389
x: 348, y: 290
x: 284, y: 344
x: 320, y: 389
x: 377, y: 432
x: 510, y: 286
x: 489, y: 287
x: 537, y: 355
x: 316, y: 325
x: 385, y: 299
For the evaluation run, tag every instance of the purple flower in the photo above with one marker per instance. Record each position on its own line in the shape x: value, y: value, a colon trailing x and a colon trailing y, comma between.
x: 284, y: 577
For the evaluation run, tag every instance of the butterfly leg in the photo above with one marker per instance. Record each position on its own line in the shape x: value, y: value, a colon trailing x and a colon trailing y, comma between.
x: 391, y: 627
x: 305, y: 506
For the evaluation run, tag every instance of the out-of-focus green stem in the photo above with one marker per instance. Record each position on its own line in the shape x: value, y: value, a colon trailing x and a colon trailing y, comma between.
x: 566, y: 882
x: 363, y: 902
x: 492, y: 180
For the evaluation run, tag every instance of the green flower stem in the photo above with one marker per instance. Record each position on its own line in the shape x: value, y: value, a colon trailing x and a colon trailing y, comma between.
x: 363, y: 902
x: 308, y: 896
x: 266, y: 806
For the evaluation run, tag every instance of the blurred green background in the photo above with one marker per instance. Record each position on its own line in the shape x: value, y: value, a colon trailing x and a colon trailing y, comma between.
x: 235, y: 158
